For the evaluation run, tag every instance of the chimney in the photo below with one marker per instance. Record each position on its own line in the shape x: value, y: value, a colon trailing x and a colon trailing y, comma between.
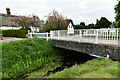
x: 8, y: 11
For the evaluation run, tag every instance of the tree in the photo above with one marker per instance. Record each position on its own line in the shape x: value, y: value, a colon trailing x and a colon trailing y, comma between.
x: 91, y: 25
x: 103, y: 23
x: 117, y: 11
x: 22, y: 21
x: 82, y: 23
x: 55, y: 21
x: 80, y: 27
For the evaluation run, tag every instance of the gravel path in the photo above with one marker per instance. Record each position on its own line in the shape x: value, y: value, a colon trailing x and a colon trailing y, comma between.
x: 13, y: 39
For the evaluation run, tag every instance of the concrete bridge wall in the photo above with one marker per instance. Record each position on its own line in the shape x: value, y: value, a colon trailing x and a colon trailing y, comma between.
x: 90, y: 48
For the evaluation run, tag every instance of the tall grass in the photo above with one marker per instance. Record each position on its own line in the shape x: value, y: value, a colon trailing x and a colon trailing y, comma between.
x: 20, y: 57
x: 96, y: 68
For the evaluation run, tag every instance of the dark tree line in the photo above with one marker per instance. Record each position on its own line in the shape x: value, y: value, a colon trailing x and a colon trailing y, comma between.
x: 102, y: 23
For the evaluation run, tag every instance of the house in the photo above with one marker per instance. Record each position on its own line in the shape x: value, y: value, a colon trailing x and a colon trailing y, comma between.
x: 66, y: 24
x: 70, y: 26
x: 6, y: 20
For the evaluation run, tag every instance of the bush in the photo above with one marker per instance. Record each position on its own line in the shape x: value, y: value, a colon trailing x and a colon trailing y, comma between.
x: 21, y: 33
x: 81, y: 27
x: 20, y: 57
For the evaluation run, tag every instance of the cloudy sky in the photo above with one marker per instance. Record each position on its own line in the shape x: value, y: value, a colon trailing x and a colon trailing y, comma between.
x: 78, y: 10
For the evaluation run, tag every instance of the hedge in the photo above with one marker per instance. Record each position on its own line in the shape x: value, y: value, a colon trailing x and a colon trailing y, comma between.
x: 21, y: 33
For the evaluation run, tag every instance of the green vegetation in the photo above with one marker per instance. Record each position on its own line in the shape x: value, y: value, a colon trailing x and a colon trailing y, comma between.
x: 117, y: 11
x: 21, y: 57
x: 0, y: 60
x: 82, y: 27
x: 21, y: 33
x: 103, y: 23
x: 42, y: 71
x: 96, y: 68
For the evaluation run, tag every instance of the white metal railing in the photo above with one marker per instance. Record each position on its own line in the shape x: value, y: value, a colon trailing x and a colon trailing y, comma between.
x: 105, y: 36
x: 39, y: 35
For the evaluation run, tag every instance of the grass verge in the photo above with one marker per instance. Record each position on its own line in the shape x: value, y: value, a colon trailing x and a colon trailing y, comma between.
x: 96, y: 68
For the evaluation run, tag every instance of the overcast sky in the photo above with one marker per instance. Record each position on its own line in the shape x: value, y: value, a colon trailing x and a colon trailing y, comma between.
x: 78, y: 10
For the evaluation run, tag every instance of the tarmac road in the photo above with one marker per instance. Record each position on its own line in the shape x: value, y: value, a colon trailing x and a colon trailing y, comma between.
x: 9, y: 40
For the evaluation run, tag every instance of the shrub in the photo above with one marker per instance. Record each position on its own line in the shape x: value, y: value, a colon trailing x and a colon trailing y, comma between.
x: 21, y: 33
x: 20, y: 57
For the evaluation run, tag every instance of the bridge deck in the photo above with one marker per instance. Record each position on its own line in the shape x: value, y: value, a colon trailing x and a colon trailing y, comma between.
x: 87, y: 40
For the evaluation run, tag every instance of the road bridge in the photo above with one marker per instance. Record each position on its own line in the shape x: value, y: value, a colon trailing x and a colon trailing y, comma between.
x: 98, y: 42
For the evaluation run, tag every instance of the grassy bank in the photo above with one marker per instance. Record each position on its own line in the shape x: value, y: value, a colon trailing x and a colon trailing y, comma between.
x: 20, y: 57
x: 42, y: 72
x: 96, y: 68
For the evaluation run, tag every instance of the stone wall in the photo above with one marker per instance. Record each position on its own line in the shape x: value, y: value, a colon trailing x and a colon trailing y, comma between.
x: 90, y: 48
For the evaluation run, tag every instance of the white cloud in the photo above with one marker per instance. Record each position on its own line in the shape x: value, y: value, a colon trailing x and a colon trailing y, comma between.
x: 78, y: 10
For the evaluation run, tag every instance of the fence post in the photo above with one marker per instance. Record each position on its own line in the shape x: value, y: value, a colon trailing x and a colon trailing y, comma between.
x: 51, y: 35
x: 47, y: 36
x: 58, y: 34
x: 30, y: 35
x: 96, y: 35
x: 68, y: 35
x: 117, y: 37
x: 80, y: 33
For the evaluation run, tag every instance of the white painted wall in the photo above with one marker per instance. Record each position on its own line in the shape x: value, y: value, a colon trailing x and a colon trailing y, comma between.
x: 5, y: 27
x: 70, y: 29
x: 34, y: 29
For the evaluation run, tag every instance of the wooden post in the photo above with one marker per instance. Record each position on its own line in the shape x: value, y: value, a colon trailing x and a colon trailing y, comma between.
x: 1, y: 36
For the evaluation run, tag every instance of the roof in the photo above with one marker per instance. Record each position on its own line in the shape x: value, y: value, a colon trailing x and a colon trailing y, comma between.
x: 6, y: 20
x: 67, y: 22
x: 6, y: 15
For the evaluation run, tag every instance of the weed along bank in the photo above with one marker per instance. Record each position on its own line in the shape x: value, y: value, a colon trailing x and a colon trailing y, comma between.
x: 37, y: 58
x: 23, y: 56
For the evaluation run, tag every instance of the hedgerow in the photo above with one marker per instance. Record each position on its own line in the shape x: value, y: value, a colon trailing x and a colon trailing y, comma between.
x: 21, y: 33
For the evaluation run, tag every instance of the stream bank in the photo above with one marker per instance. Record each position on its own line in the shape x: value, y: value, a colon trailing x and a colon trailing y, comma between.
x: 68, y: 59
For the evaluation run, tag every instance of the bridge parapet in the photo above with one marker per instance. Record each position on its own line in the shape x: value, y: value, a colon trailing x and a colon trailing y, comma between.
x: 97, y: 36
